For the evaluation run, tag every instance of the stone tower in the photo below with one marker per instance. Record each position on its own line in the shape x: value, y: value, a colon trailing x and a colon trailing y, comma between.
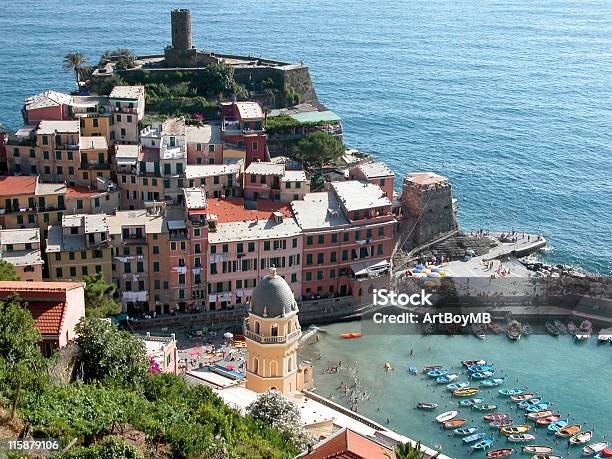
x: 273, y: 333
x: 181, y: 29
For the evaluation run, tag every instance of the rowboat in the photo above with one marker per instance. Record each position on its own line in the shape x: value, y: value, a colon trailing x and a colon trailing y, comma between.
x: 561, y: 327
x: 474, y: 437
x: 351, y: 335
x: 469, y: 363
x: 492, y: 382
x: 500, y: 424
x: 483, y: 444
x: 475, y: 368
x: 585, y: 330
x: 580, y: 438
x: 538, y: 407
x: 503, y: 452
x: 426, y: 406
x: 457, y: 385
x: 537, y: 449
x: 465, y: 430
x: 466, y: 392
x: 446, y: 416
x: 550, y: 328
x: 527, y: 330
x: 539, y: 414
x: 554, y: 426
x: 519, y: 438
x: 431, y: 367
x: 495, y: 328
x: 446, y: 378
x: 530, y: 401
x: 413, y: 370
x: 484, y: 407
x: 470, y: 401
x: 522, y: 397
x: 509, y: 392
x: 495, y: 416
x: 481, y: 374
x: 479, y: 331
x: 511, y: 430
x: 437, y: 372
x: 572, y: 329
x: 548, y: 420
x: 568, y: 431
x: 546, y: 456
x: 606, y: 452
x: 594, y: 448
x: 453, y: 423
x: 514, y: 330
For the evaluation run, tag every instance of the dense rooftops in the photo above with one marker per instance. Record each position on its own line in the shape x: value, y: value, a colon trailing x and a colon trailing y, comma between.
x: 232, y: 210
x: 319, y: 210
x: 154, y: 224
x: 195, y: 198
x: 17, y: 185
x: 210, y: 170
x: 253, y: 230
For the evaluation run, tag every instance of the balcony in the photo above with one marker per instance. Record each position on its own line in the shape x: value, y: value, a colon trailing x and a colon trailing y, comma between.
x: 134, y: 239
x: 94, y: 165
x: 125, y: 110
x: 66, y: 146
x: 294, y: 335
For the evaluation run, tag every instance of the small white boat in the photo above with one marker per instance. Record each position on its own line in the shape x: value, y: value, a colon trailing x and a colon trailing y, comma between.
x: 580, y: 438
x: 594, y: 448
x: 446, y: 416
x: 518, y: 438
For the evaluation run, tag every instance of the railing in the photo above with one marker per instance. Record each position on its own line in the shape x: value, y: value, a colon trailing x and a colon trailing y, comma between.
x: 125, y: 110
x: 273, y: 339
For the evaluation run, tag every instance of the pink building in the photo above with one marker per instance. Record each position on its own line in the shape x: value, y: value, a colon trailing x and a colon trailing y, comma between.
x: 204, y: 145
x: 262, y: 180
x: 56, y: 306
x: 48, y: 105
x: 242, y: 125
x: 162, y: 351
x: 377, y: 173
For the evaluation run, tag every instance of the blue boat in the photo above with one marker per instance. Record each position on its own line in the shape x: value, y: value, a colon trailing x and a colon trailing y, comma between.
x: 509, y: 392
x: 436, y: 373
x: 482, y: 374
x: 475, y: 368
x: 492, y: 382
x: 529, y: 402
x: 560, y: 424
x: 470, y: 401
x: 413, y: 370
x: 446, y: 378
x: 457, y: 385
x: 538, y: 407
x: 483, y: 407
x: 483, y: 444
x: 465, y: 430
x: 474, y: 437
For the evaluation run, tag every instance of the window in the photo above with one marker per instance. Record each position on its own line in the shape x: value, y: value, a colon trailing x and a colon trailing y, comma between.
x: 58, y: 272
x: 345, y: 237
x: 216, y: 180
x: 254, y: 145
x: 225, y: 248
x: 59, y: 170
x: 127, y: 268
x: 309, y: 259
x: 79, y: 204
x: 129, y: 118
x: 319, y: 275
x: 288, y: 185
x: 240, y: 247
x: 381, y: 231
x: 118, y: 117
x: 84, y: 271
x: 70, y: 157
x: 369, y: 233
x: 213, y: 268
x: 197, y: 248
x: 308, y: 276
x: 379, y: 249
x: 213, y: 249
x: 140, y: 267
x: 298, y: 185
x: 181, y: 278
x: 293, y: 277
x: 321, y: 239
x: 309, y: 240
x: 332, y: 273
x: 332, y: 257
x: 58, y: 155
x: 344, y: 255
x: 251, y: 247
x: 319, y: 258
x: 58, y: 256
x: 253, y: 178
x: 122, y: 131
x: 196, y: 232
x: 357, y: 235
x: 98, y: 268
x: 266, y: 245
x: 95, y: 122
x: 294, y: 243
x: 211, y: 148
x: 45, y: 141
x: 157, y: 284
x: 173, y: 246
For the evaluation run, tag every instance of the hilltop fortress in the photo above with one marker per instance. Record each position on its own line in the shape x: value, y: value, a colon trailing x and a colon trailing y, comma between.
x: 185, y: 57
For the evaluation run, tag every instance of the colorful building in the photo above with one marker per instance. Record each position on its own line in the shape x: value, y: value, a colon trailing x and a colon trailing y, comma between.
x: 21, y: 248
x: 162, y: 350
x: 377, y: 173
x: 204, y: 145
x: 242, y: 124
x: 127, y: 104
x: 48, y: 105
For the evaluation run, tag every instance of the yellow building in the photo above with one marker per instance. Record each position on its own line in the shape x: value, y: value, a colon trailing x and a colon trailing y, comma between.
x: 273, y: 334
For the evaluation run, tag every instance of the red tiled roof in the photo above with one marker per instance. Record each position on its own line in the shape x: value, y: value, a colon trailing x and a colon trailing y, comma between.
x: 350, y: 445
x: 81, y: 191
x: 17, y: 185
x: 232, y: 209
x: 18, y: 286
x: 49, y: 316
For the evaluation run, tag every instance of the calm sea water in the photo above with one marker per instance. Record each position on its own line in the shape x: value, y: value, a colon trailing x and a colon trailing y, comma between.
x: 509, y: 98
x: 575, y: 377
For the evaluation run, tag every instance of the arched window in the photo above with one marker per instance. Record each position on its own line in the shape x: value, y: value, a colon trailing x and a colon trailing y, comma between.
x: 255, y: 365
x: 274, y: 330
x: 289, y: 364
x: 273, y: 368
x: 289, y: 326
x: 257, y: 327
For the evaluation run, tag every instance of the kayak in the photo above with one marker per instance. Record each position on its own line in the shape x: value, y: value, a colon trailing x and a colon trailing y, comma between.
x: 503, y: 452
x: 537, y: 449
x: 465, y: 431
x: 446, y: 416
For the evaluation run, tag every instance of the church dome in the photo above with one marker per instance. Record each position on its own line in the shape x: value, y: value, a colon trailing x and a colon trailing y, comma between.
x: 272, y: 297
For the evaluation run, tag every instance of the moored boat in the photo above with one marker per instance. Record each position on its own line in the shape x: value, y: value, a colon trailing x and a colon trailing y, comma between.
x: 446, y: 416
x: 457, y: 385
x: 502, y: 452
x: 539, y: 414
x: 554, y: 426
x: 572, y: 329
x: 514, y: 330
x: 454, y: 423
x: 581, y: 438
x: 484, y: 407
x: 483, y: 444
x: 431, y: 367
x: 481, y: 374
x: 462, y: 431
x: 492, y: 382
x: 537, y: 449
x: 351, y: 335
x: 548, y: 420
x: 495, y: 416
x: 495, y: 328
x: 550, y: 328
x: 500, y: 424
x: 472, y: 438
x: 468, y: 363
x: 510, y: 392
x: 522, y: 397
x: 470, y: 401
x: 511, y: 430
x: 529, y: 402
x: 546, y: 456
x: 446, y: 378
x: 466, y: 392
x: 568, y: 431
x: 561, y: 327
x: 519, y: 438
x: 538, y: 407
x: 475, y: 368
x: 605, y: 453
x: 585, y: 330
x: 413, y: 370
x: 594, y: 448
x: 527, y: 330
x: 479, y: 331
x: 437, y: 372
x: 426, y: 406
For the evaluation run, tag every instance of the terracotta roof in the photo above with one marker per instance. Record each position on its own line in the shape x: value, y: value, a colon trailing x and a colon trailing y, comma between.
x: 350, y: 445
x: 426, y: 178
x: 17, y: 286
x: 81, y: 191
x: 17, y: 185
x: 232, y: 210
x: 49, y: 316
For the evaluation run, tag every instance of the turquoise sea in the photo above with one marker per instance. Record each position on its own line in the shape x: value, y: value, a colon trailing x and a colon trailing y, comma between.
x: 509, y: 98
x: 575, y: 377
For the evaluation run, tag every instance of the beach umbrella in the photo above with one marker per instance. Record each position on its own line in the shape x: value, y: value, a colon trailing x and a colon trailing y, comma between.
x: 228, y: 335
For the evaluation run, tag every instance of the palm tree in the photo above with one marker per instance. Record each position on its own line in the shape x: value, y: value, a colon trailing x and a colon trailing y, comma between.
x: 407, y: 451
x: 74, y: 62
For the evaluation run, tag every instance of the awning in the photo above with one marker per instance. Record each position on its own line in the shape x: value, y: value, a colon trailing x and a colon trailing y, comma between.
x: 177, y: 224
x: 364, y: 268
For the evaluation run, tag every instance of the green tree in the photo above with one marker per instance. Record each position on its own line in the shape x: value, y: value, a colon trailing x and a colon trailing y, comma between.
x: 110, y: 447
x: 7, y: 271
x: 99, y: 296
x: 274, y: 409
x: 21, y: 361
x: 73, y: 62
x: 408, y: 451
x: 111, y: 356
x: 317, y: 149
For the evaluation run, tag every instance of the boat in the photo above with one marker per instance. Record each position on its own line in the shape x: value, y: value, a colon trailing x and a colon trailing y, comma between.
x: 561, y: 328
x: 550, y: 328
x: 465, y: 431
x: 605, y: 453
x: 437, y: 372
x: 572, y: 329
x: 446, y: 378
x: 568, y: 431
x: 585, y: 330
x: 537, y: 449
x: 554, y: 426
x: 479, y: 331
x: 514, y: 330
x: 503, y: 452
x: 539, y: 414
x: 470, y: 401
x: 454, y: 423
x: 594, y: 448
x: 519, y: 438
x: 527, y: 330
x: 473, y: 438
x: 492, y: 382
x: 484, y: 407
x: 412, y: 370
x: 428, y: 329
x: 495, y: 416
x: 426, y: 406
x: 546, y: 456
x: 580, y: 438
x: 511, y: 430
x: 475, y: 368
x: 548, y: 420
x: 538, y: 407
x: 500, y: 424
x: 509, y: 392
x: 388, y: 367
x: 529, y: 402
x: 466, y: 392
x: 351, y: 335
x: 495, y: 328
x: 431, y: 367
x: 522, y: 397
x: 446, y: 416
x: 469, y: 363
x: 481, y: 374
x: 457, y: 385
x: 483, y: 444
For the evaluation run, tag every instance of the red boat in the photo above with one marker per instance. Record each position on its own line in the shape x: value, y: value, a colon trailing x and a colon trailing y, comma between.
x: 351, y: 335
x: 495, y: 416
x: 503, y: 452
x: 548, y: 420
x: 607, y: 452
